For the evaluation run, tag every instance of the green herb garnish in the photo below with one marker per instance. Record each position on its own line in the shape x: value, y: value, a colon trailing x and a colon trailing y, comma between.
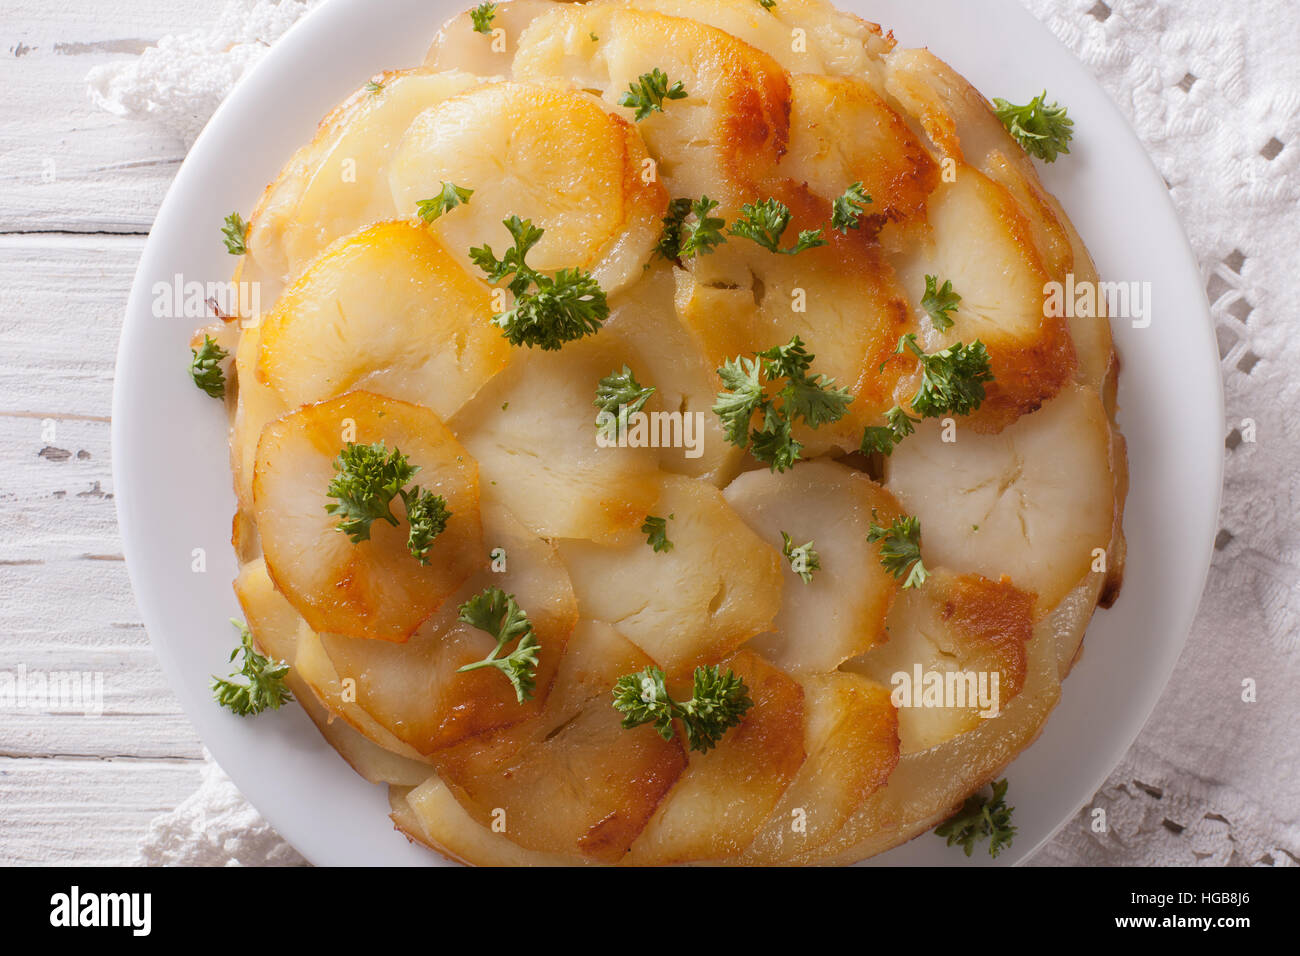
x: 719, y: 702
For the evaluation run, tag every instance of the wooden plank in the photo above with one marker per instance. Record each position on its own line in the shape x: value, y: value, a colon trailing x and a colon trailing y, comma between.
x: 66, y: 165
x: 65, y: 297
x: 85, y: 812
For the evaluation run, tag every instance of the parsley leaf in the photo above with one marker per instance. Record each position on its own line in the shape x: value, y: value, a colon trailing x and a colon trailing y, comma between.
x: 656, y: 532
x: 981, y: 818
x: 804, y: 560
x: 900, y: 549
x: 548, y: 310
x: 374, y: 86
x: 765, y: 222
x: 619, y: 395
x: 742, y: 395
x: 496, y: 612
x: 803, y: 397
x: 938, y: 302
x: 848, y: 207
x: 1041, y: 130
x: 447, y: 200
x: 648, y: 93
x: 262, y: 686
x: 767, y: 4
x: 367, y: 478
x: 205, y: 367
x: 683, y: 238
x: 883, y: 438
x: 482, y: 16
x: 427, y: 515
x: 235, y: 232
x: 813, y: 399
x: 952, y: 381
x: 718, y: 703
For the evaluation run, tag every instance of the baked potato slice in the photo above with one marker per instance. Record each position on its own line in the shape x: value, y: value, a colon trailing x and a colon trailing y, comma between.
x: 553, y: 156
x: 375, y: 588
x: 955, y: 625
x: 1033, y: 502
x: 715, y: 809
x: 388, y: 310
x: 718, y: 586
x: 721, y: 139
x: 533, y: 433
x: 336, y: 185
x: 851, y: 739
x: 571, y: 781
x: 414, y: 690
x: 840, y: 612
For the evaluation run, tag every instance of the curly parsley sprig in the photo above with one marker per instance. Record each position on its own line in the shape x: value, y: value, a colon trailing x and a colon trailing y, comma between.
x: 648, y: 93
x: 655, y: 530
x: 1041, y: 130
x: 805, y: 397
x: 258, y: 685
x: 448, y: 199
x: 847, y: 209
x: 765, y: 222
x: 235, y: 232
x: 205, y: 367
x: 900, y: 549
x: 619, y: 395
x: 497, y: 613
x: 718, y: 703
x: 684, y: 237
x: 366, y: 480
x: 981, y: 818
x: 938, y: 301
x: 804, y: 559
x: 427, y: 515
x: 482, y: 16
x: 548, y: 310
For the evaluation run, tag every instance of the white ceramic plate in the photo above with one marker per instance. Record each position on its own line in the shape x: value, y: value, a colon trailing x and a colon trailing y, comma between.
x: 173, y: 486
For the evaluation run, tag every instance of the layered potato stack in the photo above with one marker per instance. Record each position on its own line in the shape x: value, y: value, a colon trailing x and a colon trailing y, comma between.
x: 381, y: 324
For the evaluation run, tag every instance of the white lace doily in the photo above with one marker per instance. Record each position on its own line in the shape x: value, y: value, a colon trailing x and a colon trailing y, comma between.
x: 1213, y: 91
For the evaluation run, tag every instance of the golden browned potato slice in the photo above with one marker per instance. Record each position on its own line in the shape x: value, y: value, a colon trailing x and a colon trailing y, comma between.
x: 983, y: 244
x: 413, y: 690
x: 556, y: 157
x: 459, y: 47
x: 388, y: 310
x: 430, y: 815
x: 375, y: 588
x: 275, y: 626
x: 842, y: 300
x: 721, y: 139
x: 256, y: 404
x: 851, y: 738
x: 715, y: 809
x: 842, y: 132
x: 1033, y: 502
x: 965, y: 626
x: 533, y: 433
x: 928, y: 786
x: 841, y: 611
x: 336, y: 184
x: 573, y: 780
x: 662, y: 354
x: 802, y: 35
x: 718, y: 586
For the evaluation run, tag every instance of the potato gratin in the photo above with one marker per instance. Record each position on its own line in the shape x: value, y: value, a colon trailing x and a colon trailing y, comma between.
x: 653, y: 420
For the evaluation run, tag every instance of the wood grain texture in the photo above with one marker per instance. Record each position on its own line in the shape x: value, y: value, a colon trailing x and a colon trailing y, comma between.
x: 78, y: 191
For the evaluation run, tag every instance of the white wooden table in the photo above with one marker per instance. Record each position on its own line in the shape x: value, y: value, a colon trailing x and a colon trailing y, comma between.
x: 78, y: 191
